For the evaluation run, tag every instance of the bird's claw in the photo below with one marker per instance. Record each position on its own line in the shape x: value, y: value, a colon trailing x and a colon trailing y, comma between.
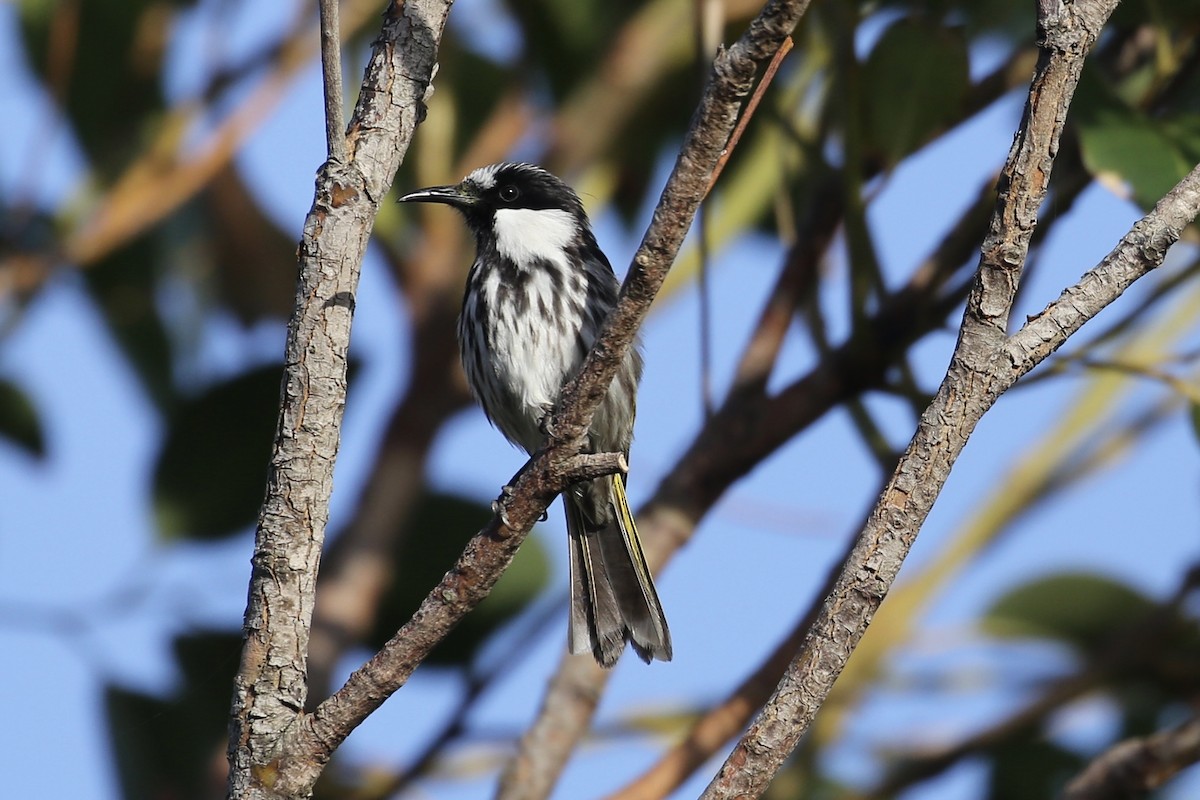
x: 498, y: 504
x: 498, y: 510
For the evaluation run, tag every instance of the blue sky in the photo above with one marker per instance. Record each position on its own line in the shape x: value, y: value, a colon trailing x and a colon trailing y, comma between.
x: 76, y: 528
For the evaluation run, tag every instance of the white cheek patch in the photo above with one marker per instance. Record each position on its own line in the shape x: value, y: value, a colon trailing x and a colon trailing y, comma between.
x: 524, y: 235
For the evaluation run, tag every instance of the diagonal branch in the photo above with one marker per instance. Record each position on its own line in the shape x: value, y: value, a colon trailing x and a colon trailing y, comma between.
x: 750, y: 426
x: 972, y: 384
x: 732, y: 77
x: 1137, y: 766
x: 1141, y: 250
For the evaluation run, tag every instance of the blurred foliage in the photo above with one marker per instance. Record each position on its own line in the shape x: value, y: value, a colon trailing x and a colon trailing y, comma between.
x: 102, y: 62
x: 1080, y: 610
x: 19, y: 421
x: 441, y: 525
x: 209, y: 479
x: 602, y: 92
x: 172, y: 746
x: 914, y: 83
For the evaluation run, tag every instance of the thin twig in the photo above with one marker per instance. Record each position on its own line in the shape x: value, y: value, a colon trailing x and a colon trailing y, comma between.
x: 785, y: 47
x: 331, y: 74
x: 707, y: 22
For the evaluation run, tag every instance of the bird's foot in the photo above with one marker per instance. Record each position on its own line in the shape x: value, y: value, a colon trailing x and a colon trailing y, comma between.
x: 500, y: 502
x: 546, y: 423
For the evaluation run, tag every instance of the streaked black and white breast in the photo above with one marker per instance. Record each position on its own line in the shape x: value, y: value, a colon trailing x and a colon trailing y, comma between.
x: 537, y: 294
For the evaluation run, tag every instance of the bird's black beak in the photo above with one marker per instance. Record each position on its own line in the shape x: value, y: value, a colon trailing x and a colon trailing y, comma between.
x: 450, y: 195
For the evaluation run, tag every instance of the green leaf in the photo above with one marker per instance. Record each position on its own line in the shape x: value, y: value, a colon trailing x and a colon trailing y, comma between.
x: 1079, y: 609
x: 253, y: 260
x: 166, y: 747
x: 124, y: 285
x: 109, y: 77
x: 212, y: 469
x: 19, y: 421
x: 913, y: 84
x: 435, y: 536
x: 1122, y: 146
x: 1024, y: 768
x: 1196, y: 420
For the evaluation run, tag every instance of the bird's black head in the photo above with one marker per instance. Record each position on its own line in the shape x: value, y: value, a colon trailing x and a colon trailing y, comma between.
x: 501, y: 187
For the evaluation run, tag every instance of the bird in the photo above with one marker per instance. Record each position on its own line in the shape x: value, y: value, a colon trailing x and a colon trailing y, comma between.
x: 536, y: 297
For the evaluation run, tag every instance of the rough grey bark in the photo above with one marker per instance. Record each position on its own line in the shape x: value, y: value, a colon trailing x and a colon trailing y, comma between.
x: 985, y: 364
x: 270, y: 687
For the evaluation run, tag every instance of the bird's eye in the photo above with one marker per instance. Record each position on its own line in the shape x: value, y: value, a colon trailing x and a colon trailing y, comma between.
x: 509, y: 193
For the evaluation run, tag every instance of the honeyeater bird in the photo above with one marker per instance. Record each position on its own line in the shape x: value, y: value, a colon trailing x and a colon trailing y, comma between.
x: 536, y: 296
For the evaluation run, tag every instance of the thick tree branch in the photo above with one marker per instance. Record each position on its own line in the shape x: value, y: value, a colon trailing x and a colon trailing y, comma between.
x: 270, y: 687
x: 971, y: 387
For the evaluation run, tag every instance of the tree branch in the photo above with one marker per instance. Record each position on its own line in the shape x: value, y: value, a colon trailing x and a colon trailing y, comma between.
x: 732, y: 77
x: 750, y: 426
x: 566, y: 711
x: 270, y: 687
x: 1141, y: 250
x: 1136, y: 766
x: 314, y: 737
x: 971, y: 386
x: 331, y: 75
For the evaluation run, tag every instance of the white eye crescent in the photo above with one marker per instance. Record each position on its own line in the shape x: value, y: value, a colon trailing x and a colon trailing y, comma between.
x: 509, y: 193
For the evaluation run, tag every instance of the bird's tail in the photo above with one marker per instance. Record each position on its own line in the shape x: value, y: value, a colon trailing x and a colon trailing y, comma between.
x: 613, y: 600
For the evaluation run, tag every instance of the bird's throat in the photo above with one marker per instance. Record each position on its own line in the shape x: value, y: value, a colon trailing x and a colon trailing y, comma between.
x: 526, y: 236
